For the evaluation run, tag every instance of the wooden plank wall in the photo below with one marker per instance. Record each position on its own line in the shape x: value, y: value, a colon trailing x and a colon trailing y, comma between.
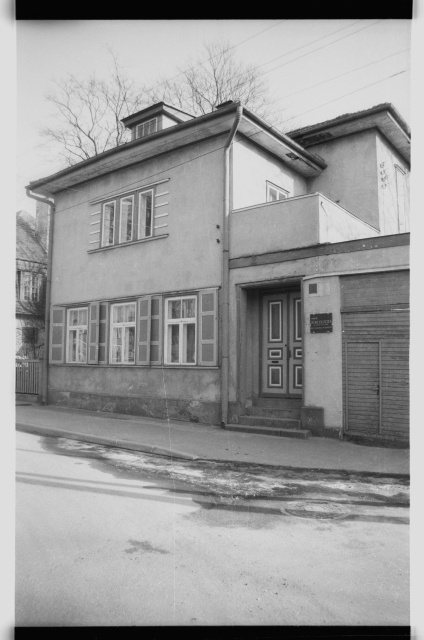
x: 375, y: 310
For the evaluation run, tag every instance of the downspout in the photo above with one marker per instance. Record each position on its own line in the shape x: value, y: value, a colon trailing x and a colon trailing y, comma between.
x: 225, y: 303
x: 45, y: 361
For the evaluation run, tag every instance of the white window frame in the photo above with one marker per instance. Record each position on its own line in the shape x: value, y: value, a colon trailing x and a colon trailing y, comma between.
x: 140, y: 195
x: 33, y: 286
x: 142, y: 127
x: 120, y: 218
x: 109, y: 244
x: 181, y: 322
x: 79, y: 328
x: 279, y: 190
x: 122, y: 325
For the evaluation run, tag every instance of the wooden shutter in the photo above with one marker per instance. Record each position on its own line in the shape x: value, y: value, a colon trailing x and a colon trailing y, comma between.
x: 57, y: 335
x: 156, y: 331
x: 208, y: 328
x: 144, y: 306
x: 103, y: 331
x: 93, y: 333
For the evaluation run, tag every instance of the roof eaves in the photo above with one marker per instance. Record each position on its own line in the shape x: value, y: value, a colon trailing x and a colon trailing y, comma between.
x: 37, y: 184
x: 356, y: 115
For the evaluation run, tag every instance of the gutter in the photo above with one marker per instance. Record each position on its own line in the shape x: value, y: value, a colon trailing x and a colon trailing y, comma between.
x: 225, y: 299
x: 45, y: 362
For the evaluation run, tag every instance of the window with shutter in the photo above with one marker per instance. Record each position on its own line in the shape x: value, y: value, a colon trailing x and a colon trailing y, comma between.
x: 57, y: 335
x: 93, y: 352
x: 103, y: 331
x: 208, y: 327
x: 144, y: 306
x: 77, y: 335
x: 156, y: 331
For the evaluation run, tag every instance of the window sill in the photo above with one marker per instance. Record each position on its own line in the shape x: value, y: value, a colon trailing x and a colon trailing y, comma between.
x: 128, y: 244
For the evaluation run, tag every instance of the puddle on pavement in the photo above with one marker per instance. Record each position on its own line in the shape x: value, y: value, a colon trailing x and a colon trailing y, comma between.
x: 220, y: 488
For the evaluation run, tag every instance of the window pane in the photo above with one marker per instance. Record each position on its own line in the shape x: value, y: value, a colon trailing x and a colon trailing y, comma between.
x: 189, y: 343
x: 108, y: 223
x: 129, y: 313
x: 82, y: 345
x: 73, y: 318
x: 174, y: 309
x: 173, y: 343
x: 73, y: 345
x: 129, y: 344
x: 145, y: 219
x: 82, y: 316
x: 126, y: 219
x: 189, y: 308
x: 272, y: 195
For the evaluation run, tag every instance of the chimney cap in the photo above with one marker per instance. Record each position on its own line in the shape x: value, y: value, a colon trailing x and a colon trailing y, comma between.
x: 224, y: 104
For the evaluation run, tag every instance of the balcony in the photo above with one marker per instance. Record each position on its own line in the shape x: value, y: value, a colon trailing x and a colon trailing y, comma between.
x: 302, y: 221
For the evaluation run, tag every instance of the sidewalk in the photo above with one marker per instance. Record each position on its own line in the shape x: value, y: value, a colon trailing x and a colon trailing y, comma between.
x: 196, y: 441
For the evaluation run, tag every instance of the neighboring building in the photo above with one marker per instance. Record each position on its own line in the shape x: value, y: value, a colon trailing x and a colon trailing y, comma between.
x: 31, y: 265
x: 216, y: 270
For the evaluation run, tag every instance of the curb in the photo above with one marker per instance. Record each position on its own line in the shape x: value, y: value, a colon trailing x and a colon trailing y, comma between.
x: 172, y: 453
x: 108, y: 442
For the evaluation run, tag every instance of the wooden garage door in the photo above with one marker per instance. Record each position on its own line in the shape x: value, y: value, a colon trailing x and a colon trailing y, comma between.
x: 376, y: 384
x: 395, y: 388
x: 376, y: 373
x: 362, y: 387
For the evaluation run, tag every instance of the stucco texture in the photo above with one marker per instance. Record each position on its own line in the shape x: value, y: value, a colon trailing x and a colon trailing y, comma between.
x: 351, y: 175
x: 252, y: 167
x: 189, y: 258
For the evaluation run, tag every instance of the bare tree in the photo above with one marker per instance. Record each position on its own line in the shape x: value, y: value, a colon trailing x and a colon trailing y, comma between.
x: 88, y: 113
x: 214, y: 77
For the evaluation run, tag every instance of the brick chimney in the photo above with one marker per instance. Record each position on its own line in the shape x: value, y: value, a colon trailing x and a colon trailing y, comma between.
x: 42, y: 222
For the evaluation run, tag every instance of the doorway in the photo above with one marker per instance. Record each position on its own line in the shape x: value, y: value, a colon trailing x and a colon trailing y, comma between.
x: 281, y: 348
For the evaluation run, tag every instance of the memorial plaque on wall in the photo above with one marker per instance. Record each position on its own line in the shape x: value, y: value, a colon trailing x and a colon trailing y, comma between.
x: 321, y: 322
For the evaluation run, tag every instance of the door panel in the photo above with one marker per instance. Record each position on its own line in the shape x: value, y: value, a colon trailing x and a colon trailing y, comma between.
x: 363, y: 387
x: 281, y: 345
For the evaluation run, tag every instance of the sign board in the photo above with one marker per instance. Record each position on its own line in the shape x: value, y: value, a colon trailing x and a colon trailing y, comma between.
x: 321, y: 322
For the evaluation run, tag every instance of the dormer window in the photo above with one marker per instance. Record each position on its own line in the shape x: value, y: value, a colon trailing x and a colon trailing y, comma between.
x: 146, y: 128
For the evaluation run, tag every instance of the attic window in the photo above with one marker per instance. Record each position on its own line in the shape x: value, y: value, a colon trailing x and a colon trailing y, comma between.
x: 146, y: 128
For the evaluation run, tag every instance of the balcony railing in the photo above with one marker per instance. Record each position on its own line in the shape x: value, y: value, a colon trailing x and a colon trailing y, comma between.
x: 293, y: 223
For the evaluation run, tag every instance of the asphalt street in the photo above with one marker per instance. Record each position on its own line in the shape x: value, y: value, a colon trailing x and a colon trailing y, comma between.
x: 112, y: 537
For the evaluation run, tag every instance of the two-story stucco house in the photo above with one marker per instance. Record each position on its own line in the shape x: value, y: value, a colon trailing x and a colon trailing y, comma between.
x: 215, y: 270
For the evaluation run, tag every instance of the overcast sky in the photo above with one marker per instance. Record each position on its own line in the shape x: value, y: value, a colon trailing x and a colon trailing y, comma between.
x: 317, y: 69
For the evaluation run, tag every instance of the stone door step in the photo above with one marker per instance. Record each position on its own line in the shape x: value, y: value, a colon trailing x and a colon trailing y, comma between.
x: 267, y: 421
x: 291, y: 414
x: 269, y: 431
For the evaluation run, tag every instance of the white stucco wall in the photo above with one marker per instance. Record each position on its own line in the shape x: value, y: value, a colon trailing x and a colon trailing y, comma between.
x: 252, y: 167
x: 387, y: 159
x: 350, y: 178
x: 323, y: 352
x: 189, y: 257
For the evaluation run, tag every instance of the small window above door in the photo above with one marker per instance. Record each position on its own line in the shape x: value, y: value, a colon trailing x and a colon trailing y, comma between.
x: 274, y: 193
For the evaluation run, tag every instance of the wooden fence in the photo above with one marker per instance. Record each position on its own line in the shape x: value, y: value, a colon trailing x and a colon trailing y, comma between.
x: 28, y: 376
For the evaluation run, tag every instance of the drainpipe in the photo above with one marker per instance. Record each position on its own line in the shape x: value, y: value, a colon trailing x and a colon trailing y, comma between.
x: 45, y: 362
x: 225, y: 305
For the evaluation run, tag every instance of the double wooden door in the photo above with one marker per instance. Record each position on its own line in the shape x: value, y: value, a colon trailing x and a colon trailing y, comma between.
x: 282, y: 351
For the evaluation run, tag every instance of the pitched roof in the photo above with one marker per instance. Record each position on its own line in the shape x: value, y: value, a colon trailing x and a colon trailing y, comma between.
x: 28, y: 245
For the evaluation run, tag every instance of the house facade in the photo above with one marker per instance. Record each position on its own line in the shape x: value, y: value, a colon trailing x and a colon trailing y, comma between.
x: 215, y: 270
x: 31, y: 266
